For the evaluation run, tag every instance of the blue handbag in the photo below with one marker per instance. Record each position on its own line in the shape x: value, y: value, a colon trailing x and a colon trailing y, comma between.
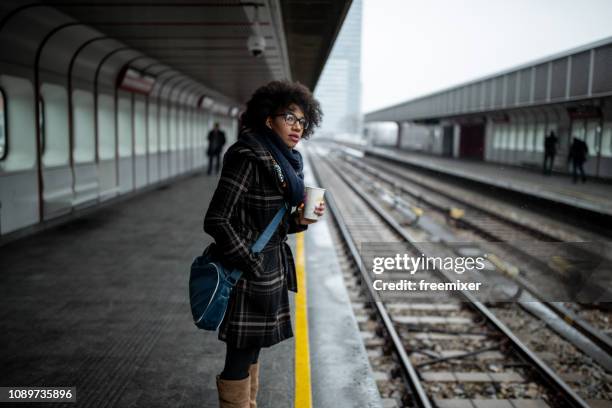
x: 210, y: 283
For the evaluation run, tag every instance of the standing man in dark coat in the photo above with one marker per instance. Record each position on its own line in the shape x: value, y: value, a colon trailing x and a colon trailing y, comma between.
x: 550, y: 150
x: 578, y: 154
x: 216, y: 141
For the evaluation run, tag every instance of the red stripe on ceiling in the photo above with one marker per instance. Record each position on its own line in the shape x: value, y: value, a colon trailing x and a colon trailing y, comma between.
x: 171, y: 4
x: 238, y: 59
x: 173, y: 23
x: 234, y: 69
x: 187, y: 58
x: 194, y: 37
x: 201, y: 48
x: 225, y: 64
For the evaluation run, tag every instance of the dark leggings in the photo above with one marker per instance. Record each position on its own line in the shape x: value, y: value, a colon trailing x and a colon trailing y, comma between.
x: 238, y: 361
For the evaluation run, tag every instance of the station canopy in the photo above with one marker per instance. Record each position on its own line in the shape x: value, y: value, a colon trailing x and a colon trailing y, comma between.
x: 207, y: 40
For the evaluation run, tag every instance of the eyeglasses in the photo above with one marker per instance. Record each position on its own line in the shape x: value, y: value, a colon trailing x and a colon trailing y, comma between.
x: 291, y: 119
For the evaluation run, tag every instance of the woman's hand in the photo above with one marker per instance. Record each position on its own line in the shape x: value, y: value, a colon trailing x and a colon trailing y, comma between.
x: 319, y: 210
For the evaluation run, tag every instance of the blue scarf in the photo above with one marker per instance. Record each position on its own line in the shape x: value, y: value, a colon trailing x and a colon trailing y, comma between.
x: 290, y: 163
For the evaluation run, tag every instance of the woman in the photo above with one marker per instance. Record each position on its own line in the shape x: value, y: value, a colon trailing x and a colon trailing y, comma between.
x: 261, y: 172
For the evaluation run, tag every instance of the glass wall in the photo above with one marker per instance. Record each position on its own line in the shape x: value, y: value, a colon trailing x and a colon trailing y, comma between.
x: 106, y: 127
x: 593, y: 134
x: 124, y: 110
x: 520, y: 135
x: 540, y: 135
x: 84, y: 135
x: 53, y: 120
x: 606, y: 140
x: 578, y: 129
x: 172, y: 126
x: 163, y: 127
x: 3, y: 132
x: 152, y: 128
x: 530, y: 131
x: 512, y: 136
x: 140, y: 131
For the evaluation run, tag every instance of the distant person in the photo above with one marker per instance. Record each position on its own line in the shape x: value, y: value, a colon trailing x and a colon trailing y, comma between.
x: 550, y: 150
x: 578, y: 155
x: 216, y: 141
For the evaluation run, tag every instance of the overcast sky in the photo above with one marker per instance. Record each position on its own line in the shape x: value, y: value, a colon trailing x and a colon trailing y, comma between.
x: 415, y: 47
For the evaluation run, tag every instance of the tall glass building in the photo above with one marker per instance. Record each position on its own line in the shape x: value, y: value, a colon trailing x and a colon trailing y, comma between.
x: 339, y: 88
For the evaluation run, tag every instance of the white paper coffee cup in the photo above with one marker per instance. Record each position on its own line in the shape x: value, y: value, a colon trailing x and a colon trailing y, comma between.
x: 314, y: 196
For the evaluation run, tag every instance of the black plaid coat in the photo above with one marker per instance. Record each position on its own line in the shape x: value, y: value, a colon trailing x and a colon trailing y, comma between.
x: 247, y: 197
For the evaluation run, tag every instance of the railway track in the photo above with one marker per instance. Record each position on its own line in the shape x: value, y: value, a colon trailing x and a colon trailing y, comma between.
x: 450, y: 350
x: 492, y: 224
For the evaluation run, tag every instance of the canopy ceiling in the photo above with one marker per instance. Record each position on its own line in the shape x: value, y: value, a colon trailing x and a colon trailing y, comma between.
x: 206, y: 40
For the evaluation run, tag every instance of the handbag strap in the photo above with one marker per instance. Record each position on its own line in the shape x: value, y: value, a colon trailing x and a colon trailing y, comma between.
x: 261, y: 242
x: 265, y: 236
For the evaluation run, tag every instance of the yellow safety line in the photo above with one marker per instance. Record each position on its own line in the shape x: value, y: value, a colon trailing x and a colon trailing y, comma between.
x: 303, y: 396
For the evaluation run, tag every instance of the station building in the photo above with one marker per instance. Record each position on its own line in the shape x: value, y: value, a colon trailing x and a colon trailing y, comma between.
x: 504, y: 118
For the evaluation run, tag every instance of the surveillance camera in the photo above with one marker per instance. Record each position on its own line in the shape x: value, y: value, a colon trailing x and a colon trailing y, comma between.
x: 256, y: 45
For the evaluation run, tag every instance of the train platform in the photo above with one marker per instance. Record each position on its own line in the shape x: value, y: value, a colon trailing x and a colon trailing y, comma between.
x: 101, y: 304
x: 594, y: 196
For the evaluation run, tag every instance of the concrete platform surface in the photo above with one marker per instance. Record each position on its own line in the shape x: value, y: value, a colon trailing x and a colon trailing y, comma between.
x: 101, y: 304
x: 341, y: 372
x: 594, y: 195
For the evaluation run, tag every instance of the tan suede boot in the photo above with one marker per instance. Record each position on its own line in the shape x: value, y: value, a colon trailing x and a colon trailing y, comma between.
x: 234, y: 393
x: 254, y: 376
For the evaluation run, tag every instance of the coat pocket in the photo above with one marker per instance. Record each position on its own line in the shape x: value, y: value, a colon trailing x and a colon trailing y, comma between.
x: 264, y: 291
